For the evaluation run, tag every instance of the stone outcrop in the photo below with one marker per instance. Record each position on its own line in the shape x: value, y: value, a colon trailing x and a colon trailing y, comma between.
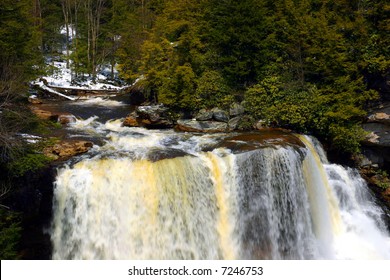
x: 377, y: 182
x: 67, y: 149
x: 376, y: 146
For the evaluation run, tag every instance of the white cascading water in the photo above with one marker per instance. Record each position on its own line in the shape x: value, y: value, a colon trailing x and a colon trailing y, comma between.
x: 164, y: 195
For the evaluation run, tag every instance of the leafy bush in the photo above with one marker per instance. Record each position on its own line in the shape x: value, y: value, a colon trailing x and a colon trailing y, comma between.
x: 332, y: 113
x: 212, y: 90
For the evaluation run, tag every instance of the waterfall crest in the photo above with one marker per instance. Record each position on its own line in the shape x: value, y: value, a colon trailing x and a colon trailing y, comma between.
x: 122, y: 201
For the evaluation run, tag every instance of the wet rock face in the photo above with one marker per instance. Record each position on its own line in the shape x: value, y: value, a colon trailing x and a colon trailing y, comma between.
x: 265, y: 138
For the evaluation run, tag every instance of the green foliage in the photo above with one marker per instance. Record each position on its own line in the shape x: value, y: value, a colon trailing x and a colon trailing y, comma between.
x: 178, y: 88
x: 26, y: 163
x: 333, y: 113
x: 212, y: 90
x: 268, y: 100
x: 306, y: 65
x: 10, y: 233
x: 346, y: 138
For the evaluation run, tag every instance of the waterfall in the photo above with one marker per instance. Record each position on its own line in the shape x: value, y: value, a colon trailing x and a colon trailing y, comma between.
x: 165, y: 195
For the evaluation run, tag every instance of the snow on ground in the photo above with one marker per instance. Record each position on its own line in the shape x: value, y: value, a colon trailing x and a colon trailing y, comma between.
x: 62, y: 77
x: 30, y: 138
x: 46, y: 88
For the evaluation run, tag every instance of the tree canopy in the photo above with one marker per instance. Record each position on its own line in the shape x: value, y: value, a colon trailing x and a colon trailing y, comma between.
x: 310, y: 65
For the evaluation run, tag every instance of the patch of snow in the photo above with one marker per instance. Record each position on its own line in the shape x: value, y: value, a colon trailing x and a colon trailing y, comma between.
x: 70, y: 30
x: 30, y: 138
x: 46, y: 88
x: 62, y: 77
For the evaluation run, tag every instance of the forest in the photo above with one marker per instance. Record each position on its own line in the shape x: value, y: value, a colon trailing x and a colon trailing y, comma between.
x: 312, y: 66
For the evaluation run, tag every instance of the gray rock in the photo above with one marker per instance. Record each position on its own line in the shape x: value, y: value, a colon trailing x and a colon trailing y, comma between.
x: 204, y: 115
x: 156, y: 116
x: 260, y: 124
x: 66, y: 118
x: 233, y: 123
x: 220, y: 115
x: 379, y: 134
x: 380, y: 117
x: 236, y: 110
x: 201, y: 126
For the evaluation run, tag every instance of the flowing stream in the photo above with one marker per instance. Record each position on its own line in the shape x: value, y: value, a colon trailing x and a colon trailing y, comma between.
x: 164, y: 195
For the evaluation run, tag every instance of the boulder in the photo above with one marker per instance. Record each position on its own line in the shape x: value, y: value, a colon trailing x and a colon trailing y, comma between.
x: 131, y: 120
x: 236, y: 110
x: 67, y: 149
x: 220, y: 115
x: 204, y: 115
x: 260, y: 124
x: 156, y: 116
x: 378, y: 134
x: 379, y: 117
x: 201, y: 126
x: 44, y: 115
x: 233, y: 123
x: 33, y: 99
x: 66, y: 118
